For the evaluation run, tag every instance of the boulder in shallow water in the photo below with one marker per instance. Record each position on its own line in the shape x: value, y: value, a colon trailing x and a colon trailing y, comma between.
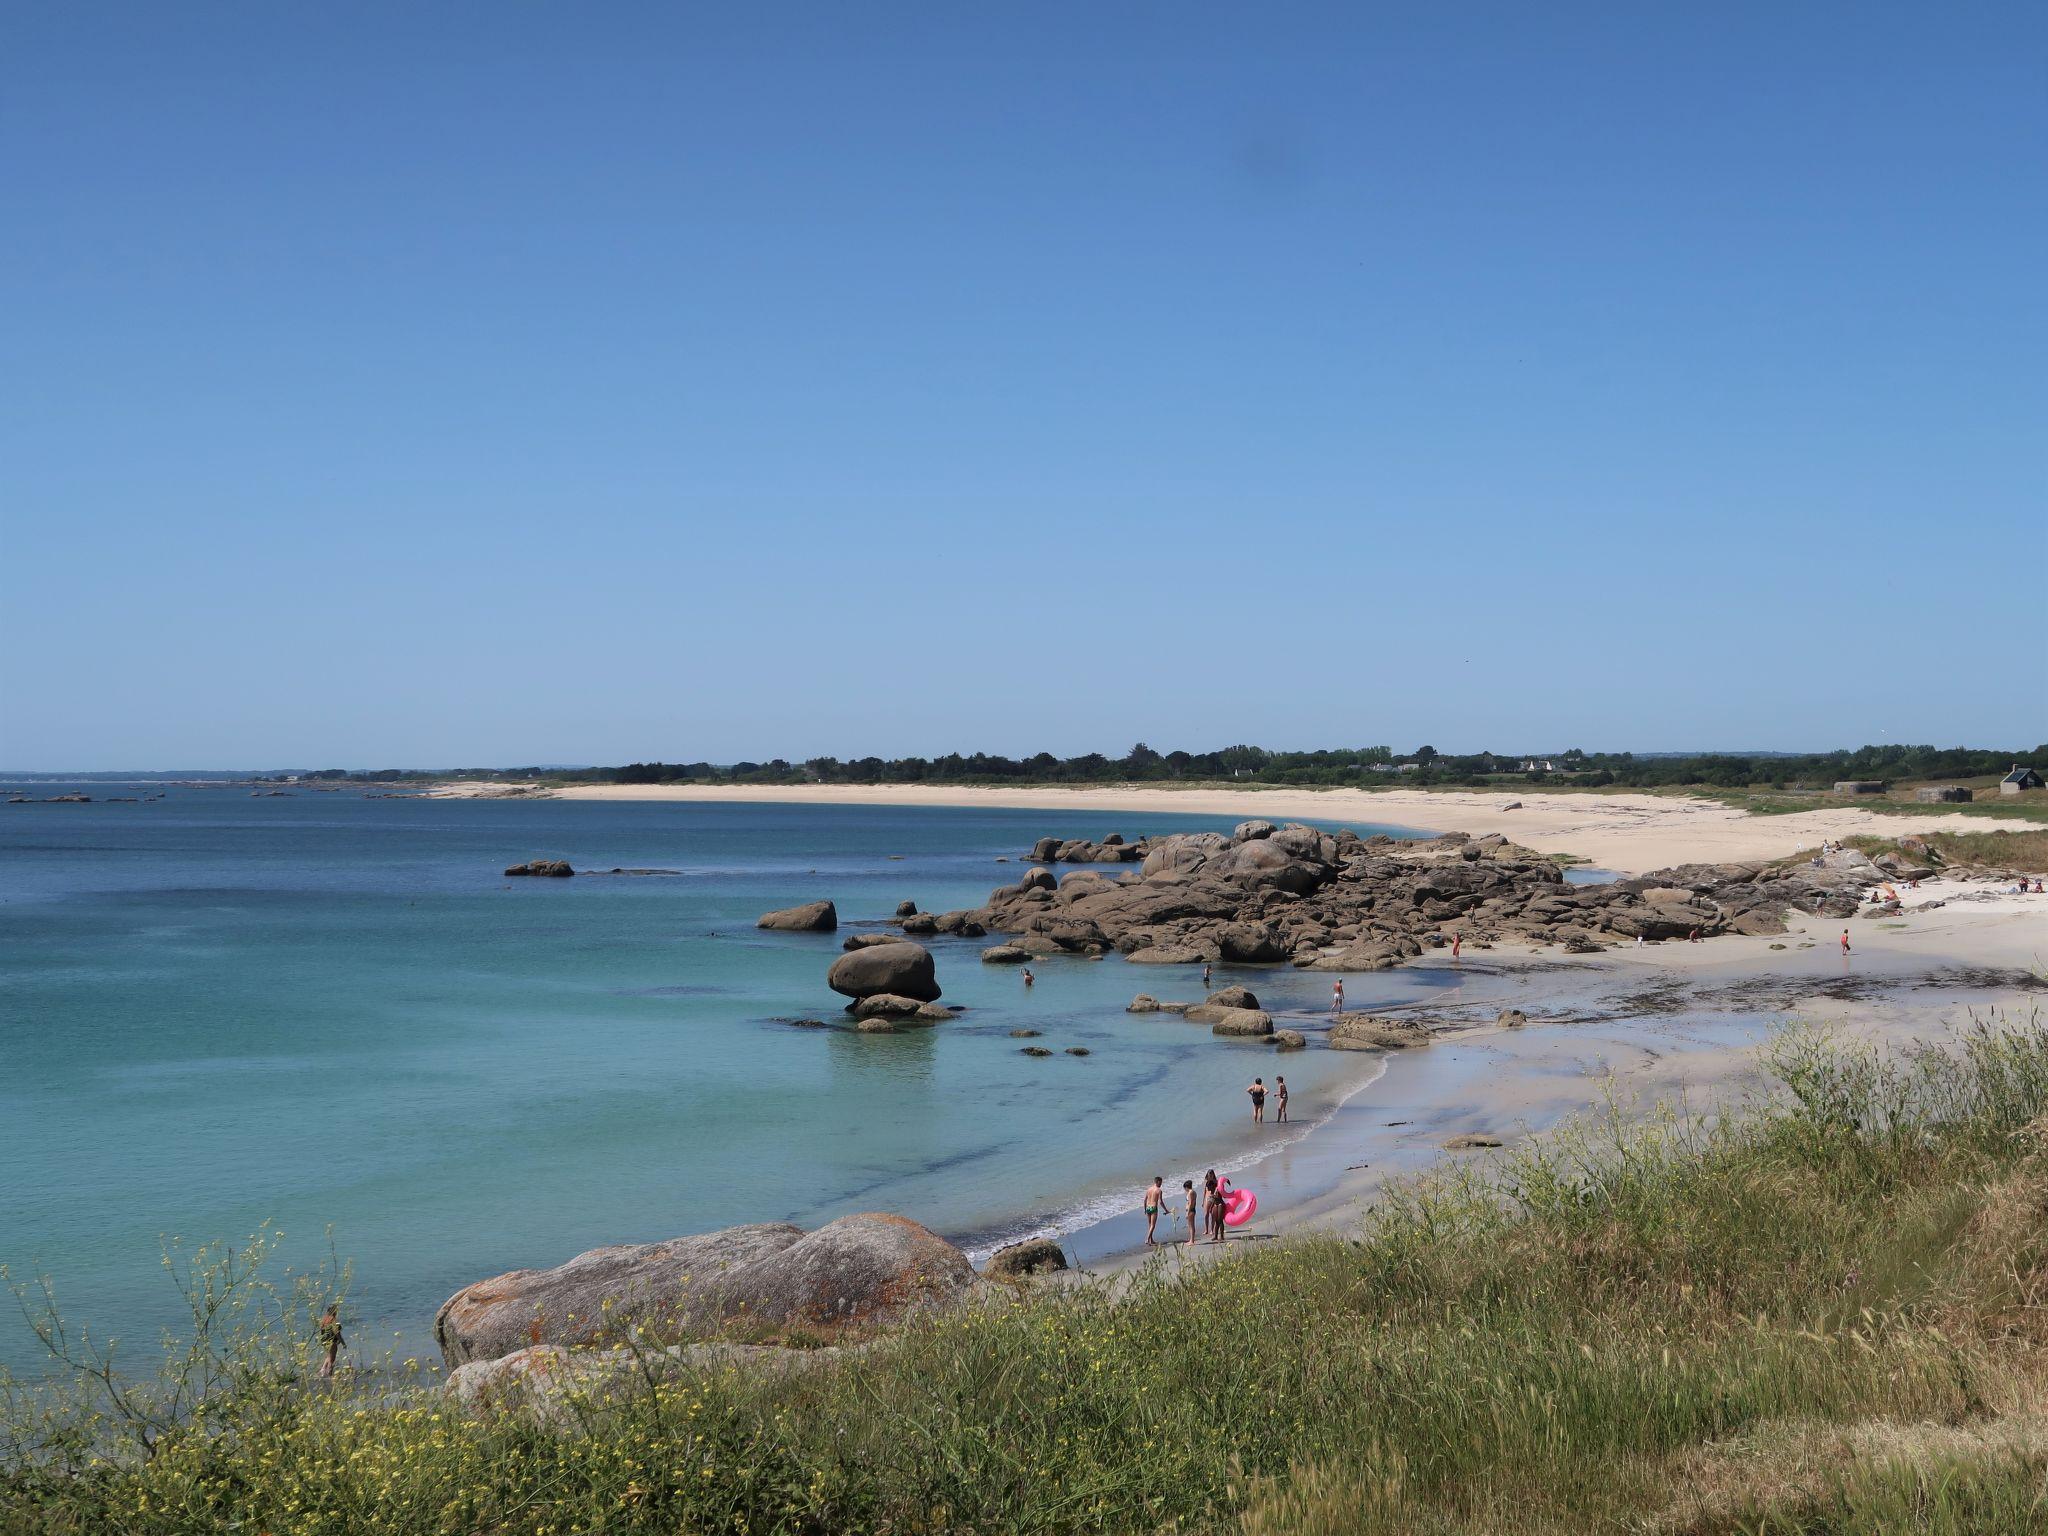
x: 870, y: 940
x: 1244, y: 1022
x: 904, y: 969
x: 859, y: 1271
x: 811, y: 917
x: 1004, y: 954
x: 1232, y: 997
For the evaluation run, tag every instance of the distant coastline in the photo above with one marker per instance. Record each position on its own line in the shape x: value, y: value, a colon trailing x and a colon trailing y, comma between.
x: 1625, y: 832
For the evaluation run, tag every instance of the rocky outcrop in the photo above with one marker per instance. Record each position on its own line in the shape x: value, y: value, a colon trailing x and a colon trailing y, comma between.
x: 854, y: 1273
x: 1267, y: 895
x: 904, y: 969
x: 1287, y: 1040
x: 811, y: 917
x: 556, y: 868
x: 1004, y: 954
x: 870, y: 940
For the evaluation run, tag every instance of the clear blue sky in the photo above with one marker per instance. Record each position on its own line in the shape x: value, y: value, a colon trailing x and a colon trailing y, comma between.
x: 502, y: 383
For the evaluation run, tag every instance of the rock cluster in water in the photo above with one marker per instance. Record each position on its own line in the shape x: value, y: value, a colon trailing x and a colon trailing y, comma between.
x: 558, y: 868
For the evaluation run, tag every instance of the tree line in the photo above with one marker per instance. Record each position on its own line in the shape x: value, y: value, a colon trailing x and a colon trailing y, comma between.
x: 1361, y: 766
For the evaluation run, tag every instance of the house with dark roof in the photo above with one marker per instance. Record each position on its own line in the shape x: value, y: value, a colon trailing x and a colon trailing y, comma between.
x: 2019, y: 779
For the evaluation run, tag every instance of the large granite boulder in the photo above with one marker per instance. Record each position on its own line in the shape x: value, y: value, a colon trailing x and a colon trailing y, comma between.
x: 859, y: 1271
x: 904, y: 969
x: 811, y: 917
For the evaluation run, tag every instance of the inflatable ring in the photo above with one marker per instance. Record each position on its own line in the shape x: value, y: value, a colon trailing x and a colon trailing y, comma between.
x: 1239, y: 1206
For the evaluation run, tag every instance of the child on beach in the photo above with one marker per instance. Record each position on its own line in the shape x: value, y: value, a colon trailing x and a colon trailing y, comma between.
x: 1845, y: 941
x: 1155, y: 1202
x: 1189, y: 1186
x: 1258, y: 1093
x: 1279, y: 1099
x: 1457, y: 943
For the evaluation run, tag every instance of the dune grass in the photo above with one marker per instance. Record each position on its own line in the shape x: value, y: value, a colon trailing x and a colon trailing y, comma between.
x: 1820, y: 1314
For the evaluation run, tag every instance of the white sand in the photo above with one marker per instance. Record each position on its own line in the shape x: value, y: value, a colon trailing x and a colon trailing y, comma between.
x: 1630, y: 833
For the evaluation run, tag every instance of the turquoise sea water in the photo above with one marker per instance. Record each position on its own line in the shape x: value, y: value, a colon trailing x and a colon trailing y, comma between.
x: 217, y: 1011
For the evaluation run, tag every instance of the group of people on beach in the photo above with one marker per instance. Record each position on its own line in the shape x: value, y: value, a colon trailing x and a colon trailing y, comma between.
x: 1212, y: 1200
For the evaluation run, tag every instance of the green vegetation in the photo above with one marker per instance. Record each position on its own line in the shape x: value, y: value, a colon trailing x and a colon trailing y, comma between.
x: 1367, y: 767
x: 1822, y: 1315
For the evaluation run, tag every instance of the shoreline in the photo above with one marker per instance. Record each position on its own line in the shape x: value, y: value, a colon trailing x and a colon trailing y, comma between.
x: 1630, y: 833
x: 1670, y: 1023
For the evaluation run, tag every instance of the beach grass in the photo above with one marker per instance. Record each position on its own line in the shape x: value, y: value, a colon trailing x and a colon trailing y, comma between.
x: 1822, y: 1313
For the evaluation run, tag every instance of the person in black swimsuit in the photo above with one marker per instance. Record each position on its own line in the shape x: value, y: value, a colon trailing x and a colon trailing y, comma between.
x: 1258, y: 1093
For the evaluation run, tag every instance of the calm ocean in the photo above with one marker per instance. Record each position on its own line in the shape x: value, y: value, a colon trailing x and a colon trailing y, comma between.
x: 331, y: 1011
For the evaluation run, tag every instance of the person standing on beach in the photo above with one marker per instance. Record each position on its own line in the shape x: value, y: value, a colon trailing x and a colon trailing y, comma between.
x: 1189, y: 1186
x: 1155, y: 1202
x: 1337, y: 996
x: 330, y: 1340
x: 1457, y: 942
x: 1845, y: 941
x: 1279, y: 1100
x: 1212, y: 1205
x: 1258, y: 1093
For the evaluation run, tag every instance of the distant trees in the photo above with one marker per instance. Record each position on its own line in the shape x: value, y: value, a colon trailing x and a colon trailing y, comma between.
x: 1342, y: 766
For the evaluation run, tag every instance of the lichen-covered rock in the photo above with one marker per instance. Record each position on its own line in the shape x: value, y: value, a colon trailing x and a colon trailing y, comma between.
x: 859, y: 1271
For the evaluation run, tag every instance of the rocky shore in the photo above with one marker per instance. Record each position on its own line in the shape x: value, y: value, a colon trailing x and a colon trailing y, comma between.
x: 1271, y: 895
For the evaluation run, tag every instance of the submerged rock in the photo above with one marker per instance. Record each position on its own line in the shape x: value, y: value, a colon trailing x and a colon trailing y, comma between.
x: 554, y: 868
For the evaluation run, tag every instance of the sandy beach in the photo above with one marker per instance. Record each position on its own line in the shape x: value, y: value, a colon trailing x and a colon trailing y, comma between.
x: 1674, y: 1024
x: 1628, y: 833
